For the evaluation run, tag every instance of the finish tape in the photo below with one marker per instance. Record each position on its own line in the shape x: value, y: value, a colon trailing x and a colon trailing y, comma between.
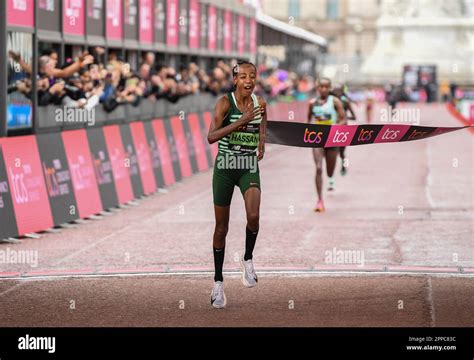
x: 327, y: 136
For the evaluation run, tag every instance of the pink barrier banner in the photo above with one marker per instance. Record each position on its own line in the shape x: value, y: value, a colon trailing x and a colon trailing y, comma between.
x: 120, y: 164
x: 82, y: 172
x: 228, y: 30
x: 7, y: 213
x: 198, y: 141
x: 27, y: 185
x: 194, y: 24
x: 181, y: 146
x: 113, y: 24
x: 164, y: 151
x: 172, y: 15
x: 146, y: 21
x: 144, y: 157
x: 57, y: 176
x: 73, y: 17
x: 207, y: 120
x: 21, y: 13
x: 212, y: 27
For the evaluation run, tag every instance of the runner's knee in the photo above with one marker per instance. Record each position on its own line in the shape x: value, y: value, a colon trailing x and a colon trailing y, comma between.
x: 221, y: 230
x: 253, y: 219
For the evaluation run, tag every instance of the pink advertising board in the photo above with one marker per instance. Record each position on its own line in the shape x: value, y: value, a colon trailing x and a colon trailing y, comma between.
x: 73, y: 17
x: 21, y: 13
x: 146, y: 21
x: 227, y: 30
x: 113, y: 24
x: 172, y: 14
x: 212, y: 28
x: 194, y: 24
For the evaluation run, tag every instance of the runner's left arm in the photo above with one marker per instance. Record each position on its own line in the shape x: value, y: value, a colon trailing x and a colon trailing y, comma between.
x: 349, y: 99
x: 341, y: 114
x: 263, y: 128
x: 351, y: 110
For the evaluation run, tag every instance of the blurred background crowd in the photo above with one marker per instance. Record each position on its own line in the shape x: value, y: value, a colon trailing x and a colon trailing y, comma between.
x: 85, y: 81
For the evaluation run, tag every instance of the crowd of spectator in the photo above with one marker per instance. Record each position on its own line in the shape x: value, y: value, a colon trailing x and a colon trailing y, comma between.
x: 87, y: 81
x: 92, y: 79
x: 278, y: 85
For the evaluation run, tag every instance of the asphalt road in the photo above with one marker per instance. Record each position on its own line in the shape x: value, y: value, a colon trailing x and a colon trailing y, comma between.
x: 405, y: 211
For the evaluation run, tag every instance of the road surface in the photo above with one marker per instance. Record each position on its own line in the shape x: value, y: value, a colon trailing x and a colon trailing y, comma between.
x: 404, y: 215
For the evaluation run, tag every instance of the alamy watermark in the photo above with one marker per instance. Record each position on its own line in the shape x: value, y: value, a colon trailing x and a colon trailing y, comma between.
x: 28, y: 342
x: 231, y: 162
x: 75, y: 115
x: 10, y: 256
x: 336, y: 256
x: 391, y: 115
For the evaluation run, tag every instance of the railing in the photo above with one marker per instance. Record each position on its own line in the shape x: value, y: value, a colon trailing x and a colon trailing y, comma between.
x: 146, y: 110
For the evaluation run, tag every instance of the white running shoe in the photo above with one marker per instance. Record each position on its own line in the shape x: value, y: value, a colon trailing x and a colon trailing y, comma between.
x: 249, y: 278
x: 218, y: 299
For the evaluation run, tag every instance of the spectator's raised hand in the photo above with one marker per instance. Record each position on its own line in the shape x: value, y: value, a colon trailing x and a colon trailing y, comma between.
x: 86, y: 59
x: 15, y: 56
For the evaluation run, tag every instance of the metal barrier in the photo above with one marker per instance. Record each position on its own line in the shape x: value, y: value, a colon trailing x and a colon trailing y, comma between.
x: 86, y: 169
x: 125, y: 113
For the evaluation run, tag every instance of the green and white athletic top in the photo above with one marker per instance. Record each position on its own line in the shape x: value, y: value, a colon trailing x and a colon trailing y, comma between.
x: 246, y: 138
x: 324, y: 114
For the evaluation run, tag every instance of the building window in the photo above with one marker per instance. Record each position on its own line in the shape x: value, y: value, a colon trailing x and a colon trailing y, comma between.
x: 331, y: 9
x: 294, y: 8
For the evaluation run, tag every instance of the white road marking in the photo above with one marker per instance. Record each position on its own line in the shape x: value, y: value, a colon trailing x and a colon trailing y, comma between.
x: 431, y: 303
x: 264, y: 273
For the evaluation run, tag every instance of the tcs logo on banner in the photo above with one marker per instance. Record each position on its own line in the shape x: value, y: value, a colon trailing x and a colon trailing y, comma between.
x: 391, y: 133
x: 417, y: 135
x: 418, y: 132
x: 340, y: 136
x: 365, y: 135
x: 77, y: 175
x: 312, y: 137
x: 19, y: 189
